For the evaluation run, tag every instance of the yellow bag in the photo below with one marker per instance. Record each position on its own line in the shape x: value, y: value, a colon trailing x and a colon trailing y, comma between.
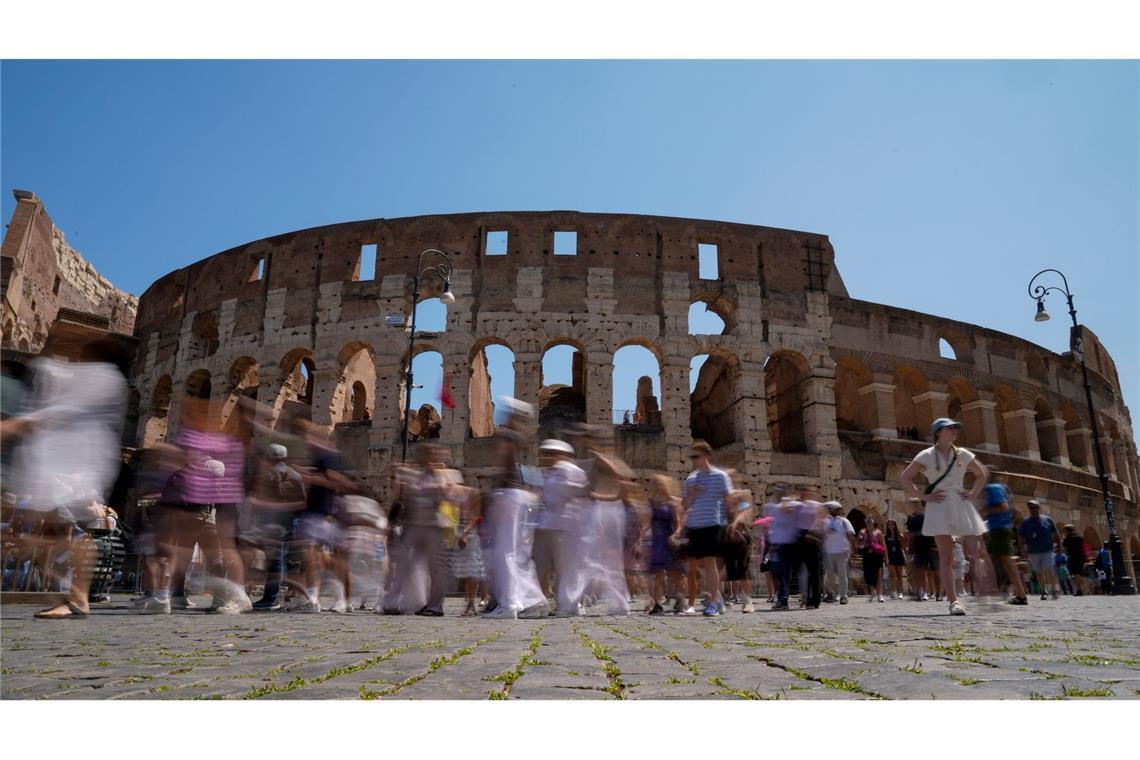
x: 449, y: 512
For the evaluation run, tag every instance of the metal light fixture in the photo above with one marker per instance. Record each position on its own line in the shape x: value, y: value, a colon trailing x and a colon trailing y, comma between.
x: 447, y: 297
x: 1121, y: 581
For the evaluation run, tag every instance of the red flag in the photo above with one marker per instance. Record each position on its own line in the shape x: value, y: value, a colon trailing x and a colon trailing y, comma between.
x: 445, y: 398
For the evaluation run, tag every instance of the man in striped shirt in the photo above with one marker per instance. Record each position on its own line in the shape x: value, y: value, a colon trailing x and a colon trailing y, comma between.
x: 703, y: 498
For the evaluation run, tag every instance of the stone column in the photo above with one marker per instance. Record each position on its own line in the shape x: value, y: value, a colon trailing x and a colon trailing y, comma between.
x: 455, y: 421
x: 600, y: 388
x: 820, y: 429
x: 174, y: 417
x: 325, y: 380
x: 388, y: 407
x: 1080, y: 447
x: 1021, y: 432
x: 1120, y: 460
x: 1054, y: 431
x: 980, y: 421
x: 1106, y: 454
x: 675, y: 398
x: 879, y: 401
x: 270, y: 378
x: 928, y: 407
x: 528, y: 372
x: 751, y: 421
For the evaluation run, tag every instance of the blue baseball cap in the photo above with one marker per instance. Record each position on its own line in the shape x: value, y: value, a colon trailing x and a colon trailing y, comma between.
x: 943, y: 422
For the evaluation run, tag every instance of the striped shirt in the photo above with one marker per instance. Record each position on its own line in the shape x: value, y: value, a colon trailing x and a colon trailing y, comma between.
x: 706, y: 508
x: 199, y: 487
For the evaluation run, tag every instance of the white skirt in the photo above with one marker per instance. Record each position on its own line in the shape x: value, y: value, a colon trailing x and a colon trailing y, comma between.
x: 953, y: 516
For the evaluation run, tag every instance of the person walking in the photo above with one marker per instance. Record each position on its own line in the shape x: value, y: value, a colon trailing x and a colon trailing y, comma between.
x: 277, y: 494
x: 666, y: 520
x: 950, y: 510
x: 1039, y: 539
x: 783, y: 535
x: 896, y: 558
x: 922, y: 554
x: 809, y: 544
x: 999, y: 519
x: 874, y: 553
x: 738, y: 548
x: 838, y: 544
x: 704, y: 494
x: 1074, y: 546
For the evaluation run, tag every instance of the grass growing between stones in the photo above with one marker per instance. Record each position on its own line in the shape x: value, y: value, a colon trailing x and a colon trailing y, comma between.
x: 609, y: 667
x: 1073, y: 691
x: 508, y: 677
x: 690, y: 666
x: 724, y: 688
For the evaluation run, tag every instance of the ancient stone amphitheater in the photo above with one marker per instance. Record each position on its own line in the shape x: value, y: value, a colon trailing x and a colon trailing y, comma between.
x: 804, y: 385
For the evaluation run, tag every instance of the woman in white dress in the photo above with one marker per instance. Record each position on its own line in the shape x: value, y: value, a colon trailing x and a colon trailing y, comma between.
x: 949, y: 506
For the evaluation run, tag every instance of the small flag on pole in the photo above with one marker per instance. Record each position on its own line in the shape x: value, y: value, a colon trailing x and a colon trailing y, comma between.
x: 445, y: 398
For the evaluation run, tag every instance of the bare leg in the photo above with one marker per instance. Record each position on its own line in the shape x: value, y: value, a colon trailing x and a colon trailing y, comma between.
x: 946, y: 566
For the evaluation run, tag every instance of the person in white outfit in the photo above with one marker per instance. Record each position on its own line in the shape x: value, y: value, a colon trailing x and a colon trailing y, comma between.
x: 949, y: 506
x: 564, y: 485
x: 838, y: 544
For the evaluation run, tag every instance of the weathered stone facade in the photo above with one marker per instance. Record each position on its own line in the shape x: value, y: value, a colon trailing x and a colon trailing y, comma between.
x: 805, y: 385
x: 44, y: 279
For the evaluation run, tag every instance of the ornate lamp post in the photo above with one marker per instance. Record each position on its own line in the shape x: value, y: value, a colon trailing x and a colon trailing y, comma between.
x: 1121, y: 582
x: 442, y: 268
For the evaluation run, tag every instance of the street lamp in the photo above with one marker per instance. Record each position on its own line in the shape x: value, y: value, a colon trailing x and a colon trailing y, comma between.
x: 442, y: 268
x: 1121, y: 581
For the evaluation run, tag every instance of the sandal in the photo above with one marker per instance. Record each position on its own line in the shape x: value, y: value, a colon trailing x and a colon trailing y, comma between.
x: 73, y: 611
x: 425, y: 612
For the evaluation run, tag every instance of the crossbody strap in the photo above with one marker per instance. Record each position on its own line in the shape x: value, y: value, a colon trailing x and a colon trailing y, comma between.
x: 942, y: 477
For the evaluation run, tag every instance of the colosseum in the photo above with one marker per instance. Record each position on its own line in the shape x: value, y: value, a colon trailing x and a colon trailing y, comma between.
x: 804, y: 384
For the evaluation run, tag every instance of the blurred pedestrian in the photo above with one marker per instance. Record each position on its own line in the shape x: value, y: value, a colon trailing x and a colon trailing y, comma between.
x: 838, y: 544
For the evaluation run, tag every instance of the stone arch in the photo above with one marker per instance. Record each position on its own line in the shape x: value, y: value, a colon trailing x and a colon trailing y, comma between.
x: 714, y: 394
x: 158, y: 412
x: 786, y: 374
x: 708, y: 316
x: 426, y: 420
x: 298, y: 372
x: 853, y: 410
x: 242, y: 383
x: 199, y: 384
x: 912, y: 418
x: 481, y: 394
x: 356, y: 384
x: 960, y: 344
x: 561, y: 404
x: 634, y: 401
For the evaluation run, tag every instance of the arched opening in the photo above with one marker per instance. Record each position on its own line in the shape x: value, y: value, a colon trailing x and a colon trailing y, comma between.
x: 909, y: 383
x: 431, y: 316
x: 636, y: 387
x: 358, y: 403
x: 1047, y: 441
x: 714, y: 382
x: 203, y: 338
x: 854, y: 412
x: 492, y: 376
x: 946, y: 351
x: 242, y: 380
x: 425, y: 421
x: 1076, y: 437
x: 295, y: 398
x: 785, y: 378
x: 158, y: 412
x: 858, y: 519
x: 703, y: 320
x: 355, y: 384
x: 199, y: 385
x: 562, y: 395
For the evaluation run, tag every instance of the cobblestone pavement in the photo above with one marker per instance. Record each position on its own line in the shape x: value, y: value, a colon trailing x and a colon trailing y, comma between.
x: 1074, y: 647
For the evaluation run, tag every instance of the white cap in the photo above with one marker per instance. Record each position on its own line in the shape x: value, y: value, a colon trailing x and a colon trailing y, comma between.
x: 277, y: 451
x: 214, y: 467
x: 553, y: 444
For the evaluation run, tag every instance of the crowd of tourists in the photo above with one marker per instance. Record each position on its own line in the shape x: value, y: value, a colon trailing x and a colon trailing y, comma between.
x: 579, y: 531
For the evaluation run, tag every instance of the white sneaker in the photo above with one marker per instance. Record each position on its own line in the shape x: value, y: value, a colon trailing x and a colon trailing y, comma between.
x: 747, y: 606
x: 957, y: 608
x: 925, y: 597
x: 688, y: 611
x: 155, y: 606
x: 881, y: 599
x: 340, y: 607
x: 501, y: 613
x: 232, y: 607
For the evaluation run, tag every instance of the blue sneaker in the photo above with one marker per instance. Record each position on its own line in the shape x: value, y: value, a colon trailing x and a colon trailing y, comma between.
x: 711, y: 611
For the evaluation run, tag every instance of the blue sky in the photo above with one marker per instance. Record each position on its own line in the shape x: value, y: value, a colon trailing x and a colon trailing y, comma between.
x: 944, y: 186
